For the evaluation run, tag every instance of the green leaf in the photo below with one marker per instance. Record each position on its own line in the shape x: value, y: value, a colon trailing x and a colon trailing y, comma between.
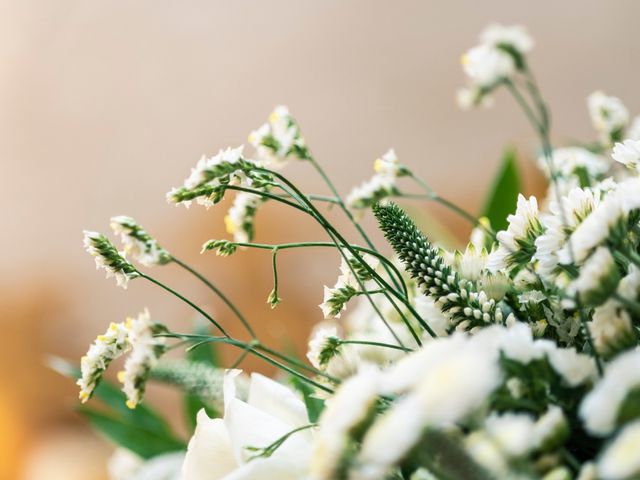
x: 502, y: 200
x: 314, y: 405
x: 143, y: 442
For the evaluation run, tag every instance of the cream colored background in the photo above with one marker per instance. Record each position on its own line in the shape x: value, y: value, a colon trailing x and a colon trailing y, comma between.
x: 106, y: 105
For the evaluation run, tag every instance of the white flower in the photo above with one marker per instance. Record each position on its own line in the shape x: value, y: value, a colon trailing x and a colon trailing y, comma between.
x: 138, y: 243
x: 469, y: 264
x: 326, y: 353
x: 524, y: 227
x: 593, y: 231
x: 620, y: 459
x: 599, y: 409
x: 514, y: 36
x: 278, y: 139
x: 558, y: 225
x: 146, y: 350
x: 106, y: 348
x: 109, y: 258
x: 239, y: 218
x: 351, y: 405
x: 551, y: 428
x: 486, y: 65
x: 512, y: 432
x: 598, y: 278
x: 336, y: 298
x: 627, y: 153
x: 570, y: 161
x: 381, y: 185
x: 472, y: 96
x: 608, y: 115
x: 218, y: 448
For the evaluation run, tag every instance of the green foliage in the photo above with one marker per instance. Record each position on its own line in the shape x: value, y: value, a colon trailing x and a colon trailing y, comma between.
x: 503, y: 195
x: 314, y: 405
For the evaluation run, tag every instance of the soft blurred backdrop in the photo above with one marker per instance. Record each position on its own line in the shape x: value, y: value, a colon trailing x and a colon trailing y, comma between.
x: 106, y: 105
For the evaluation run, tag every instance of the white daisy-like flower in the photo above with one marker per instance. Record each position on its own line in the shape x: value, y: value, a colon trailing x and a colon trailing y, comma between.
x: 138, y: 243
x: 608, y: 115
x: 486, y: 65
x: 106, y: 348
x: 620, y: 459
x: 513, y: 36
x: 470, y: 264
x: 146, y: 351
x: 336, y: 298
x: 598, y: 278
x: 599, y: 409
x: 627, y: 153
x: 577, y: 205
x: 388, y: 164
x: 240, y: 217
x: 516, y: 243
x: 109, y: 258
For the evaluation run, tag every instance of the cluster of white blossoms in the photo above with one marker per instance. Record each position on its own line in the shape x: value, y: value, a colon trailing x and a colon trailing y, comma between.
x: 514, y: 356
x: 380, y: 186
x: 135, y: 336
x: 496, y: 59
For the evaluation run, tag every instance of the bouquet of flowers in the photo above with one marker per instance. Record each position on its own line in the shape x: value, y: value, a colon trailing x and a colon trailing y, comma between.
x: 514, y: 358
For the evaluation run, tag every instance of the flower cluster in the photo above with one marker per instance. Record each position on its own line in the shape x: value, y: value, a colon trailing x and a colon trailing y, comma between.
x: 513, y: 357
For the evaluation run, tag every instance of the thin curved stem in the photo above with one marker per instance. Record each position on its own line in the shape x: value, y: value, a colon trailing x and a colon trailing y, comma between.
x: 187, y: 301
x: 219, y: 293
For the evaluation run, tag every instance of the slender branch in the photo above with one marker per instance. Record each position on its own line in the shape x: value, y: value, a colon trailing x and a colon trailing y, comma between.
x: 187, y: 301
x: 219, y: 293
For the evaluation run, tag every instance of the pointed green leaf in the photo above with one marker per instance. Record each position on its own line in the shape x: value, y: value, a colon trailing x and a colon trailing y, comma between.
x: 502, y: 200
x: 141, y: 441
x: 314, y: 405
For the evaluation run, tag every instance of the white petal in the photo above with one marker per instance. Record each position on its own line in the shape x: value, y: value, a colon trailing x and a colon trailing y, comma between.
x: 277, y: 400
x: 209, y: 455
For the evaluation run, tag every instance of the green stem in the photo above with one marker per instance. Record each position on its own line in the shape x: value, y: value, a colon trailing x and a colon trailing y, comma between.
x: 219, y: 293
x: 187, y: 301
x: 269, y: 449
x: 375, y: 344
x: 347, y: 212
x: 284, y: 246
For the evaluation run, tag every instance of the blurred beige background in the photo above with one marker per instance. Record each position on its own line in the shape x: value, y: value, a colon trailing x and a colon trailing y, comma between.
x: 106, y: 105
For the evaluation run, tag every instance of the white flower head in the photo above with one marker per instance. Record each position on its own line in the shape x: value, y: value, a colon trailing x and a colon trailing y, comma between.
x: 109, y: 258
x: 524, y: 227
x: 327, y: 353
x: 106, y: 348
x: 620, y: 460
x: 515, y: 37
x: 146, y: 350
x: 598, y: 278
x: 279, y: 139
x: 627, y: 153
x: 138, y: 243
x: 513, y: 432
x: 608, y: 115
x: 486, y: 65
x: 599, y: 409
x: 240, y: 217
x: 571, y: 162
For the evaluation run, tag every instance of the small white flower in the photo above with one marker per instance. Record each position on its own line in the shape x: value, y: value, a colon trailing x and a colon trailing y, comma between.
x: 109, y: 258
x: 381, y: 185
x: 388, y: 164
x: 611, y: 329
x: 146, y: 351
x: 572, y: 161
x: 106, y: 348
x: 514, y: 36
x: 486, y: 65
x: 551, y: 428
x: 513, y: 432
x: 278, y: 139
x: 138, y: 243
x: 608, y: 115
x: 627, y: 153
x: 239, y: 218
x: 598, y: 278
x: 599, y: 409
x: 620, y: 459
x: 524, y: 227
